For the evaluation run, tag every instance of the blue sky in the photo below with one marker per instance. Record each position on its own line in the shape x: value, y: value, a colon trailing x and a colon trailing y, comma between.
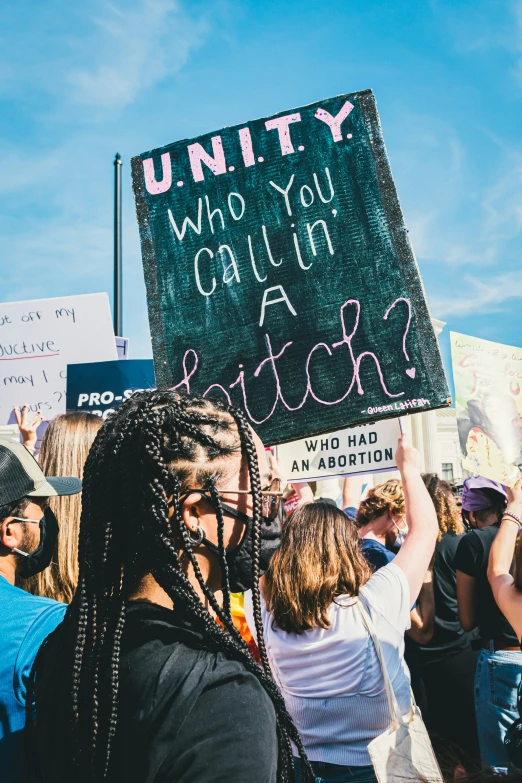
x: 80, y: 81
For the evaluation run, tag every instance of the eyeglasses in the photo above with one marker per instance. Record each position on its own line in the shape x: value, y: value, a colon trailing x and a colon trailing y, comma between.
x: 271, y: 496
x: 24, y: 519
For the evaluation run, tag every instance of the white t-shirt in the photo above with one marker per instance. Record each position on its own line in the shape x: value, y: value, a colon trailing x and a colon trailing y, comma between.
x: 331, y: 679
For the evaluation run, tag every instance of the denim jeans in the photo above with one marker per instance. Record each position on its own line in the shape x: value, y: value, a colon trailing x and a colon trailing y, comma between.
x: 496, y: 681
x: 334, y: 773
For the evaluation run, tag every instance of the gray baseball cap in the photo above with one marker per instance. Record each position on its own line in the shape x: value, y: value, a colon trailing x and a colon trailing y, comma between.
x: 21, y: 476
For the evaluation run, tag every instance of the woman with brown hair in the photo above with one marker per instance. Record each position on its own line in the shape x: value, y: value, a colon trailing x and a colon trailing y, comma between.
x: 65, y: 446
x: 321, y: 654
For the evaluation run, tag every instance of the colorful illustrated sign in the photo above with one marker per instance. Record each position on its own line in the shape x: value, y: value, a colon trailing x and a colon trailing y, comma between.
x: 488, y: 390
x: 101, y: 387
x: 38, y: 338
x: 280, y: 274
x: 369, y: 448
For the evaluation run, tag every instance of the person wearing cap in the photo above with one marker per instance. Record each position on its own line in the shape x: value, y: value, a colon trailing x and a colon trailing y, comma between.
x: 28, y: 533
x: 499, y: 664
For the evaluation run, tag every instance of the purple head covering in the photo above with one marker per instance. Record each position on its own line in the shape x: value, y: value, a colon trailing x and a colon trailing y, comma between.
x: 473, y: 496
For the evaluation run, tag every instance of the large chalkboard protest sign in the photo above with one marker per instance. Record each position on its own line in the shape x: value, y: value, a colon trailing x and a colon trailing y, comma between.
x: 280, y: 274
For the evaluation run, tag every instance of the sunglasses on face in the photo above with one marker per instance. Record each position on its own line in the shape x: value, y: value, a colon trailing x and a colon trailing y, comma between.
x: 271, y: 497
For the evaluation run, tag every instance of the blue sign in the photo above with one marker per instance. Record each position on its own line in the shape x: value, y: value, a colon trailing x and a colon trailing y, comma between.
x: 101, y: 387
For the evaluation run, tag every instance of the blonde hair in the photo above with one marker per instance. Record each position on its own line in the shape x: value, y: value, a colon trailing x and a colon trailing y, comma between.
x: 318, y: 560
x: 387, y: 497
x: 448, y: 515
x: 65, y: 445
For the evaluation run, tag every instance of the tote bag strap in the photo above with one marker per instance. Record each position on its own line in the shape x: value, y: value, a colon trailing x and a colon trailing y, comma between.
x: 392, y: 700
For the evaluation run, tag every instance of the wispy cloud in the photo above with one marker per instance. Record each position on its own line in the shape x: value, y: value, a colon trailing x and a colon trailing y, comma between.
x: 98, y: 55
x: 476, y: 295
x: 132, y: 48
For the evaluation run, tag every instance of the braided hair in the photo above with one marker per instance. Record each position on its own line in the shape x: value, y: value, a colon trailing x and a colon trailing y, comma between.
x: 156, y: 446
x: 443, y: 498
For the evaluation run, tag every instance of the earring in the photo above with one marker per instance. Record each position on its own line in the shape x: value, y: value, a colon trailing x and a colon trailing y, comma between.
x: 199, y: 535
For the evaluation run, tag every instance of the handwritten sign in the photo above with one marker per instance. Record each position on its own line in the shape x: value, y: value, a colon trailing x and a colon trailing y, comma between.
x: 38, y: 338
x: 369, y: 448
x: 280, y: 274
x: 122, y: 347
x: 488, y: 389
x: 101, y: 387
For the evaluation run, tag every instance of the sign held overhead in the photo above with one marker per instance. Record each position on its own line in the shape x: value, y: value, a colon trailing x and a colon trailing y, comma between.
x: 369, y: 448
x: 280, y: 275
x: 38, y: 338
x: 488, y: 391
x: 101, y: 388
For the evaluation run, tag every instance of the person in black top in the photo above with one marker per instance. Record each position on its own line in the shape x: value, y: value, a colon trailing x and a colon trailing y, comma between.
x: 447, y: 663
x: 506, y: 584
x: 147, y: 680
x: 499, y: 663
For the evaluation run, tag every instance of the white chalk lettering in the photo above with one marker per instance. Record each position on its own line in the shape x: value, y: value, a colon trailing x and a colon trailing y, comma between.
x: 231, y: 208
x: 210, y: 215
x: 232, y: 265
x: 196, y: 271
x: 187, y: 222
x: 310, y: 229
x: 282, y: 298
x: 318, y: 188
x: 285, y: 193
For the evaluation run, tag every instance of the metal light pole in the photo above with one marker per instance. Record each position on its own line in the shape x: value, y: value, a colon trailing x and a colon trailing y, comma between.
x: 117, y: 302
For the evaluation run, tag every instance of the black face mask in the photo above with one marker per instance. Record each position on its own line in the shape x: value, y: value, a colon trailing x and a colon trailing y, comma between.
x: 239, y: 558
x: 38, y: 560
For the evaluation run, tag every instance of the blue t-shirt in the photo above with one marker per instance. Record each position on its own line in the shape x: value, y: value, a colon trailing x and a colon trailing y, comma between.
x: 376, y: 553
x: 25, y: 621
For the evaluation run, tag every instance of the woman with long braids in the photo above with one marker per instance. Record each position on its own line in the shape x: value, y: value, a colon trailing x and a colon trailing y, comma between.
x: 141, y: 683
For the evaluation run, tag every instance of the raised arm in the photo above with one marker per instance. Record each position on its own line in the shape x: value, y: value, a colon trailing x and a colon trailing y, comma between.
x: 28, y: 426
x: 303, y: 490
x: 415, y: 554
x: 507, y: 596
x: 352, y: 491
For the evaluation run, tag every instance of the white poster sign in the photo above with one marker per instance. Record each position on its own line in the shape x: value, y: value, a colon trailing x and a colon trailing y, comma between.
x: 369, y: 448
x: 39, y: 338
x: 122, y: 346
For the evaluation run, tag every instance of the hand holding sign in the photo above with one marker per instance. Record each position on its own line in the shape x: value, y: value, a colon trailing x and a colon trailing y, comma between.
x: 407, y: 457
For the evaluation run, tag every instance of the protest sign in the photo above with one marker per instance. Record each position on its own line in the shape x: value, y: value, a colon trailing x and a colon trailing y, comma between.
x: 101, y: 387
x: 369, y: 448
x: 291, y: 503
x: 122, y: 346
x: 10, y: 432
x: 280, y: 275
x: 488, y: 391
x: 38, y: 338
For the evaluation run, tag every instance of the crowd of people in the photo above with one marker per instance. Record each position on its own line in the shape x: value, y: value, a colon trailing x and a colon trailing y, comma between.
x: 163, y: 620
